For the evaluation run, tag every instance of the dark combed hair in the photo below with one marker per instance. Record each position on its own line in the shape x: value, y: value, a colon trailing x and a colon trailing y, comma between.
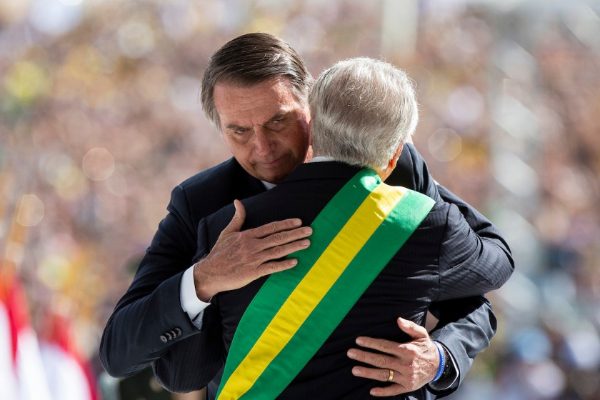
x: 250, y: 59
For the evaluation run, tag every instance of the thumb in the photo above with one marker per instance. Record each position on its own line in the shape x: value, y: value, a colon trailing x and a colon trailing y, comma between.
x: 238, y: 218
x: 411, y: 329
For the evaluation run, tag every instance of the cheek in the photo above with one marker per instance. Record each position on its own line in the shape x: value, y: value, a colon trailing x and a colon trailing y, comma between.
x: 238, y: 150
x: 296, y: 140
x: 301, y: 143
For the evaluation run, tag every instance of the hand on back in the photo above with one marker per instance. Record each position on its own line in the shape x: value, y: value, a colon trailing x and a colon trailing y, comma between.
x: 240, y: 257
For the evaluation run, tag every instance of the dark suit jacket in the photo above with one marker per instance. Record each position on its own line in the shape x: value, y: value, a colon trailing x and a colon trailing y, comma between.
x: 443, y: 259
x: 151, y: 306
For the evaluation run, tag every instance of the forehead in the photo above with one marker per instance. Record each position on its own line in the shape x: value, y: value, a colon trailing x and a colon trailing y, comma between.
x: 254, y: 104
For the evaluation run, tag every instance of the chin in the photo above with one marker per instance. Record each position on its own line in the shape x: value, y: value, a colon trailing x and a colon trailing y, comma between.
x: 274, y: 177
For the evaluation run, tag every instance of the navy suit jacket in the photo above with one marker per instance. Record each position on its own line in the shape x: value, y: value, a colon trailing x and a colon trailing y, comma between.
x: 191, y: 358
x: 443, y: 259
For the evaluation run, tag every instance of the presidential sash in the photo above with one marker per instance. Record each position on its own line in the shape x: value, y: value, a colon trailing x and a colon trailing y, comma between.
x: 295, y: 311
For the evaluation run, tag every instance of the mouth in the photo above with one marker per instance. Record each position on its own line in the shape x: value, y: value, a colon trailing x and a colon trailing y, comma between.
x: 273, y: 164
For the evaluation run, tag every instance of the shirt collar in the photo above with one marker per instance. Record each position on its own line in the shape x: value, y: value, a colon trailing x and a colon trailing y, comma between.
x: 321, y: 159
x: 269, y: 185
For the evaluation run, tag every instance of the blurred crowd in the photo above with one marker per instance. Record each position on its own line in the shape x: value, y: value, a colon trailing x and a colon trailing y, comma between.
x: 100, y: 117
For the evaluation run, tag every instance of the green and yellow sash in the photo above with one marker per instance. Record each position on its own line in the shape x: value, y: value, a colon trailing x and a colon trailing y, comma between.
x: 295, y: 311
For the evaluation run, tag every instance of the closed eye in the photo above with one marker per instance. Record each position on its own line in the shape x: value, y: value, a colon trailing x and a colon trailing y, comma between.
x: 277, y: 123
x: 238, y: 130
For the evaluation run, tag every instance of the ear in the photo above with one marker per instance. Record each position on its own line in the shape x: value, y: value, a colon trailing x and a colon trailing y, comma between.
x: 309, y: 150
x: 384, y: 174
x: 395, y: 157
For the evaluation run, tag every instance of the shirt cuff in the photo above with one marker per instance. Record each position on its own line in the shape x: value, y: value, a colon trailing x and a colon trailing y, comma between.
x: 190, y: 303
x: 450, y: 378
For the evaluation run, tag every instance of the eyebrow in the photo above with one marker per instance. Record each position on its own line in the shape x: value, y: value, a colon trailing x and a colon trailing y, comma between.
x: 278, y: 115
x: 234, y: 126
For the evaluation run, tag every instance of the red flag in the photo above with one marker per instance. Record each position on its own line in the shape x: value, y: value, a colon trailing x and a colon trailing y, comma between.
x: 8, y: 376
x: 26, y: 360
x: 70, y: 377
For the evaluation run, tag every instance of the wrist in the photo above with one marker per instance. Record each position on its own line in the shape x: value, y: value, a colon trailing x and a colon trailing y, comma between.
x: 202, y: 285
x: 443, y: 360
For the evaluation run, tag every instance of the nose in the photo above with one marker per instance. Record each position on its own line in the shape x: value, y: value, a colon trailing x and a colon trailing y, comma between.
x: 263, y: 143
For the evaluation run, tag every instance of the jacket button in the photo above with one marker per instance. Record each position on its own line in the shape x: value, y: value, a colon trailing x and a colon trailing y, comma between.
x: 163, y: 338
x: 178, y: 331
x: 168, y: 335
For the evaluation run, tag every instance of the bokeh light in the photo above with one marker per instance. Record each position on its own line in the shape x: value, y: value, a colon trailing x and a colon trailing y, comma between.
x: 98, y: 164
x: 100, y: 118
x: 30, y: 211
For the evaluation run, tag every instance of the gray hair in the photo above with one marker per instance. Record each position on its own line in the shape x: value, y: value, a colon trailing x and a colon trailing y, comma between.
x: 362, y: 110
x: 251, y: 59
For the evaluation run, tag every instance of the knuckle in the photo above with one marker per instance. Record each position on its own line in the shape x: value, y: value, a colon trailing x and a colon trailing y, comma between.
x: 238, y: 237
x: 412, y: 351
x: 288, y: 248
x: 266, y: 269
x: 279, y: 237
x: 280, y: 266
x: 240, y: 251
x: 273, y: 252
x: 390, y: 349
x: 276, y: 227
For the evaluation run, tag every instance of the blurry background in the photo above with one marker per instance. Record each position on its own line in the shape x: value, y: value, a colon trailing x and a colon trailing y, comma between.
x: 100, y: 118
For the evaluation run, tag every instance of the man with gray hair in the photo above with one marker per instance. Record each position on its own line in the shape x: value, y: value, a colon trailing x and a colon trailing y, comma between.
x: 377, y: 252
x: 363, y: 111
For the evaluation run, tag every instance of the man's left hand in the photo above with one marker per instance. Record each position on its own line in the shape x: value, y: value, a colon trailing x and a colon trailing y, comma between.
x: 407, y: 366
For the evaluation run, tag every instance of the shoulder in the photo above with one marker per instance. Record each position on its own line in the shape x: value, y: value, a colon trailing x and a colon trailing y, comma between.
x: 218, y: 175
x: 447, y: 219
x: 437, y: 219
x: 209, y: 190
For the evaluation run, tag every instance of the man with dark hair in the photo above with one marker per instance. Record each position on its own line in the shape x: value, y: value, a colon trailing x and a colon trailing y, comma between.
x: 255, y: 91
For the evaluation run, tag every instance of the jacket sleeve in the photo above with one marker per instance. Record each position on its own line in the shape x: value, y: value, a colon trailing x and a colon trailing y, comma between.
x: 191, y: 363
x: 466, y: 325
x: 468, y: 220
x: 149, y: 319
x: 470, y: 263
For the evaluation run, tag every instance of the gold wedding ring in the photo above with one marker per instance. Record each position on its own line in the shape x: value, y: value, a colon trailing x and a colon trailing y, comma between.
x: 391, y: 376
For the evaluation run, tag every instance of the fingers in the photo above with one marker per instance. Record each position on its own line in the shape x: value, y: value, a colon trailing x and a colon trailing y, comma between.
x: 237, y: 221
x: 381, y: 375
x: 385, y: 346
x: 284, y: 250
x: 282, y: 238
x: 391, y: 390
x: 411, y: 329
x: 274, y: 227
x: 377, y: 374
x: 276, y: 266
x: 374, y: 359
x: 240, y: 257
x: 414, y: 363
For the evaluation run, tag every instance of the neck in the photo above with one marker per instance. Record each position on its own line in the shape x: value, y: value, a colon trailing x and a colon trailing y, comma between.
x: 384, y: 174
